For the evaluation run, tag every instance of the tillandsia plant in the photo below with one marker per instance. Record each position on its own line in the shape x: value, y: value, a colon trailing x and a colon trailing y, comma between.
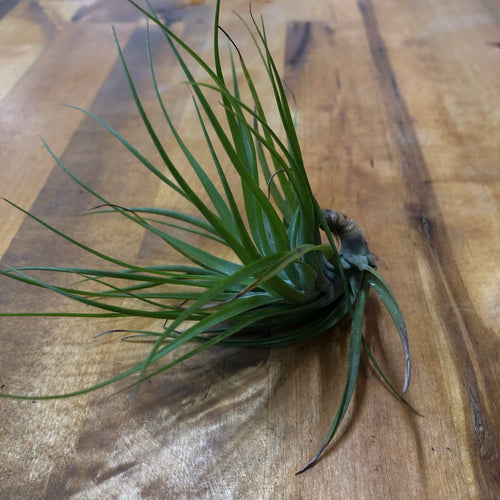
x: 284, y: 275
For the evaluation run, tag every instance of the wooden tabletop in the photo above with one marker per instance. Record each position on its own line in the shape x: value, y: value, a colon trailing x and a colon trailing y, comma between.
x: 399, y: 121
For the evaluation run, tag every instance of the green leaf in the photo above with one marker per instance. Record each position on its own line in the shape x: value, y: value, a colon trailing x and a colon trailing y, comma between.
x: 387, y: 297
x: 352, y: 370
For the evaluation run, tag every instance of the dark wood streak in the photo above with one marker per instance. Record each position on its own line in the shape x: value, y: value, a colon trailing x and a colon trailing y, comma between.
x: 424, y: 214
x: 43, y: 20
x: 300, y: 34
x: 6, y: 7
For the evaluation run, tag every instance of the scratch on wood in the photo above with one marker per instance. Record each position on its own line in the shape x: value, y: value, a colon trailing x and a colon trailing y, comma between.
x: 338, y: 80
x: 482, y: 434
x: 114, y: 472
x: 427, y: 228
x: 476, y: 408
x: 422, y: 222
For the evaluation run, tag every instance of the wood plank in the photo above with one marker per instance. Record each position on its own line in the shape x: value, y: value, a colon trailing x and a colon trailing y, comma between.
x: 49, y: 74
x: 399, y: 124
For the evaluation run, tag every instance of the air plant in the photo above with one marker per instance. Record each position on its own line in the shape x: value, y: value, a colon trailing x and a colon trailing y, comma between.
x: 284, y: 275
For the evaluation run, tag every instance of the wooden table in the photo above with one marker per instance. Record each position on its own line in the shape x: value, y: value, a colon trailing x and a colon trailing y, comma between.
x: 399, y: 121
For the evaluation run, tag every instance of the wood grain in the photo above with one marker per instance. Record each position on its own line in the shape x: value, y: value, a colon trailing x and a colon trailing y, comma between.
x: 398, y: 116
